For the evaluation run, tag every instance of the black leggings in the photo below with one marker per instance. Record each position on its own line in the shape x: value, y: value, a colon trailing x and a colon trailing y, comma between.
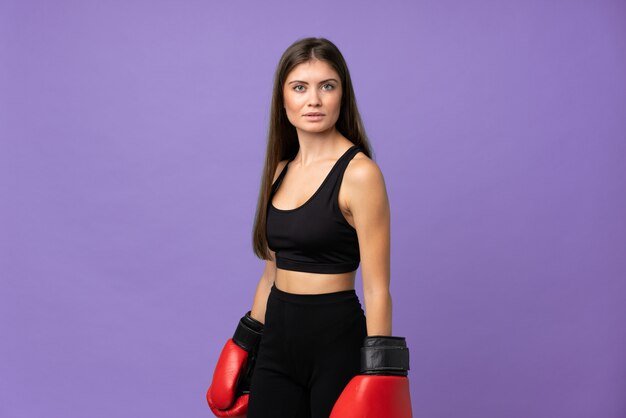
x: 309, y: 351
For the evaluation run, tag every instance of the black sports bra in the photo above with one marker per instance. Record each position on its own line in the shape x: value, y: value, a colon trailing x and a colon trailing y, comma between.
x: 314, y: 237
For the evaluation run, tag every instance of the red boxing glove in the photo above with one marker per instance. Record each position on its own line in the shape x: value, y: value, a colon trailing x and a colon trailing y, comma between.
x: 229, y: 391
x: 382, y: 388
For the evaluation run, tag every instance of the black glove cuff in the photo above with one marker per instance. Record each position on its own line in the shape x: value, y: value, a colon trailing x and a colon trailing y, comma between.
x: 385, y: 355
x: 248, y: 333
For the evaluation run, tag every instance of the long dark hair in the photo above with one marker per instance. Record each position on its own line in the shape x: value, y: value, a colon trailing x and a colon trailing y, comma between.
x: 282, y: 138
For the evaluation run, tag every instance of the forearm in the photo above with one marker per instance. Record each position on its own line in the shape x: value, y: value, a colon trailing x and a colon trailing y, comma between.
x: 260, y: 299
x: 378, y: 308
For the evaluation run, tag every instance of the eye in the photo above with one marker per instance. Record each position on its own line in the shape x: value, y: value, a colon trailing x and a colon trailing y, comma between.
x: 296, y: 87
x: 332, y: 87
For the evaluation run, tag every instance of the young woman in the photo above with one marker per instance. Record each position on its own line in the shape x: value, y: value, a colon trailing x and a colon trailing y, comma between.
x: 306, y: 346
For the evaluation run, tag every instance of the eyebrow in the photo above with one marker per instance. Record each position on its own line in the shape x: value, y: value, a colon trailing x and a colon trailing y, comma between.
x: 304, y: 82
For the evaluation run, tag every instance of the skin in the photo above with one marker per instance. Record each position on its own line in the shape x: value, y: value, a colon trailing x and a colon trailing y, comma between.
x: 314, y: 86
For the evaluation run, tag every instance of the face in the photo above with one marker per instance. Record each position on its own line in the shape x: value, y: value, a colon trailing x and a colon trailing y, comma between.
x: 312, y: 87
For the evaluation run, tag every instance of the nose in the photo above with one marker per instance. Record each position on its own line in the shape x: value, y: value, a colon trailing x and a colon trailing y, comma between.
x: 314, y: 98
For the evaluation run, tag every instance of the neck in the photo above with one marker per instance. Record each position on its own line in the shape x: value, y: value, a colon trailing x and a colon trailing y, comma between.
x: 315, y: 146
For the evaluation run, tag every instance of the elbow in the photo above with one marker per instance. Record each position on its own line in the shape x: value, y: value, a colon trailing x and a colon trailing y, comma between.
x: 381, y: 292
x: 268, y: 280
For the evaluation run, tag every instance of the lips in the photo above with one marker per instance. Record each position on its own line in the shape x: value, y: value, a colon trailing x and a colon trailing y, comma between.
x: 314, y: 114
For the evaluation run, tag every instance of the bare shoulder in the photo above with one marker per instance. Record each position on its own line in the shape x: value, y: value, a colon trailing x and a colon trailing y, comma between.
x: 363, y: 175
x: 279, y: 168
x: 363, y: 186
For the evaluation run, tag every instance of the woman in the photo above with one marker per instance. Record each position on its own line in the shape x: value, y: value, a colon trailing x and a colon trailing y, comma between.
x: 322, y: 210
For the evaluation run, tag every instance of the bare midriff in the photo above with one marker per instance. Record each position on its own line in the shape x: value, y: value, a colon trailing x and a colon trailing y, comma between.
x: 300, y: 282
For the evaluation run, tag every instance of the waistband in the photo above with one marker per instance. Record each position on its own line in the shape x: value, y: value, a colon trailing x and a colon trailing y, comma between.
x: 314, y: 299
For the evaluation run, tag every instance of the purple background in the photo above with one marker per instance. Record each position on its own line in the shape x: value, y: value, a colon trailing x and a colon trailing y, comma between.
x: 132, y: 140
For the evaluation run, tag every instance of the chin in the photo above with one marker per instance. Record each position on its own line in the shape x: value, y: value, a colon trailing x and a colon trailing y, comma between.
x: 314, y: 129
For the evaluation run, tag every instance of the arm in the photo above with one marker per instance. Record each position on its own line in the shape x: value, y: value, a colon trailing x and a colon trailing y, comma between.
x: 382, y: 387
x: 369, y: 205
x: 269, y: 274
x: 263, y: 289
x: 229, y: 391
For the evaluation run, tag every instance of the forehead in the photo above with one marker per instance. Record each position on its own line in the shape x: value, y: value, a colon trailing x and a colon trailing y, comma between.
x: 312, y: 70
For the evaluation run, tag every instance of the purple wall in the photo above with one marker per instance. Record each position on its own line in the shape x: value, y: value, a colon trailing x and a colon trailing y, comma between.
x: 132, y: 138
